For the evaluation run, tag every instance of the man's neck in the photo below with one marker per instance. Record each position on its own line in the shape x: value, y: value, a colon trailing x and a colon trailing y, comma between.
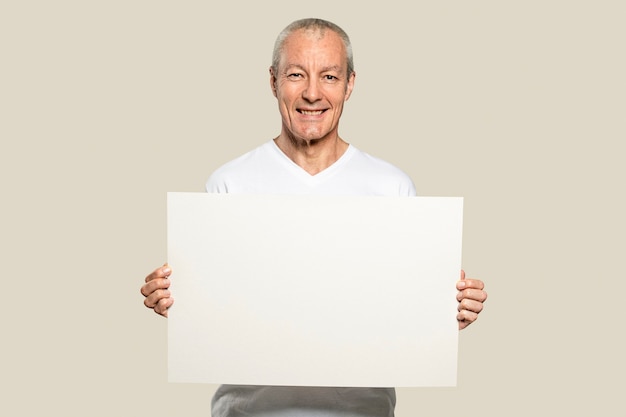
x: 312, y: 156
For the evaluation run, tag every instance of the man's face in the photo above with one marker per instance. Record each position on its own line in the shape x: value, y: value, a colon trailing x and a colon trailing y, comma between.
x: 311, y: 85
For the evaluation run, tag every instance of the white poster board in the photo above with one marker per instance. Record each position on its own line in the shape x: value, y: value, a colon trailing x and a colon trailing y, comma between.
x: 314, y: 291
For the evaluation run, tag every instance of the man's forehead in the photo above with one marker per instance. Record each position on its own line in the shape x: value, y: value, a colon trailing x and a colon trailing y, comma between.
x: 314, y: 34
x: 315, y: 42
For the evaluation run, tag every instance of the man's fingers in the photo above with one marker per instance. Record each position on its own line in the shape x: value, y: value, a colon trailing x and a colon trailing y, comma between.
x: 163, y: 305
x: 152, y: 300
x: 470, y: 283
x: 153, y: 285
x: 470, y: 297
x: 156, y: 290
x: 470, y: 305
x: 161, y: 272
x: 465, y: 318
x: 472, y: 294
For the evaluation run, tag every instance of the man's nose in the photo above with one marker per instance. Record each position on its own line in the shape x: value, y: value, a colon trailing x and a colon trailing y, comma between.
x: 312, y: 90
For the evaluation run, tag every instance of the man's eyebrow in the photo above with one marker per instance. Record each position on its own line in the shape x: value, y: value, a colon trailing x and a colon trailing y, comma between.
x: 289, y: 67
x: 332, y: 68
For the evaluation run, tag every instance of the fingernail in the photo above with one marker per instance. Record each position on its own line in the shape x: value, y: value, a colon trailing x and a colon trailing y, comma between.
x: 461, y: 284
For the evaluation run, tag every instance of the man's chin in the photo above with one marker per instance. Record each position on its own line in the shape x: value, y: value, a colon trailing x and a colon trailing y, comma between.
x: 312, y: 140
x: 307, y: 137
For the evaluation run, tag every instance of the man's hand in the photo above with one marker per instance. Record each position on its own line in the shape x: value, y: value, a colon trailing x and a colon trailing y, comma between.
x: 156, y: 290
x: 471, y: 298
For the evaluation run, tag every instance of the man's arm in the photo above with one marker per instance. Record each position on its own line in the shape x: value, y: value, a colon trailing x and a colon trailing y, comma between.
x: 156, y: 290
x: 471, y: 297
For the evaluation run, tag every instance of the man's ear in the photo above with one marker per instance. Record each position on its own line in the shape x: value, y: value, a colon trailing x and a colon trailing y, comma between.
x: 273, y: 81
x: 350, y: 85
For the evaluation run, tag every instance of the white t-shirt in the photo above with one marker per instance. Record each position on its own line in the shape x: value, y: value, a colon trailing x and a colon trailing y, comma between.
x: 267, y: 170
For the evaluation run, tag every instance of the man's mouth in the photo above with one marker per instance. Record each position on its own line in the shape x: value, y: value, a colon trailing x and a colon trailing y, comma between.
x: 310, y: 112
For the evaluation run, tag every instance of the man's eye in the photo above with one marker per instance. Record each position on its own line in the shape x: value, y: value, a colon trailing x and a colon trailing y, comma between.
x: 330, y: 77
x: 295, y: 75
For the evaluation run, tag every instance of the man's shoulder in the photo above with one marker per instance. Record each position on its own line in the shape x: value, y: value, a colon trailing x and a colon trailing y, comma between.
x: 376, y: 166
x: 249, y: 164
x: 380, y: 176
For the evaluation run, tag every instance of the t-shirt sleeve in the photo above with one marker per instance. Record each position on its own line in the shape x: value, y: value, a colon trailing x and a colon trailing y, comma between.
x: 410, y: 188
x: 216, y: 184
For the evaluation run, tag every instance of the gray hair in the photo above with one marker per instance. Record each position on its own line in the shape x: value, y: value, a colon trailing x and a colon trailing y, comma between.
x: 312, y: 23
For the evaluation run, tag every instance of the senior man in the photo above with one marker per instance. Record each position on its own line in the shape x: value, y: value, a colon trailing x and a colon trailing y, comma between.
x: 312, y: 76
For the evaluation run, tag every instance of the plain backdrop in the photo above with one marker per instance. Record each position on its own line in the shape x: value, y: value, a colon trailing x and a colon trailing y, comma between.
x: 518, y: 107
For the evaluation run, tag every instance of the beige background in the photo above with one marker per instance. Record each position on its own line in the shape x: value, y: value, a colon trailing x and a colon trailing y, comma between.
x: 516, y: 106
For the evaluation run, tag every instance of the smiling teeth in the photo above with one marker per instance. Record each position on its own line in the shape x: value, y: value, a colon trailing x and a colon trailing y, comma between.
x: 311, y: 112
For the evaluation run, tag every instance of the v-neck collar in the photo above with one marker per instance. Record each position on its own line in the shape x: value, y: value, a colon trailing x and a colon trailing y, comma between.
x: 320, y: 176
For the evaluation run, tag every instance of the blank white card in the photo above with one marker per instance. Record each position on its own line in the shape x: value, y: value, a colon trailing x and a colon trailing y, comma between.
x: 314, y: 291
